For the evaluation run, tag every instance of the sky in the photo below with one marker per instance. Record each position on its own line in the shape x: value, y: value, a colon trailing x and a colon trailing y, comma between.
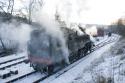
x: 88, y: 11
x: 82, y: 11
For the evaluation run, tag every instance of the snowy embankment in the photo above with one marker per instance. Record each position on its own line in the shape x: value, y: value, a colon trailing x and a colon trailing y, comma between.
x: 109, y: 68
x: 73, y: 73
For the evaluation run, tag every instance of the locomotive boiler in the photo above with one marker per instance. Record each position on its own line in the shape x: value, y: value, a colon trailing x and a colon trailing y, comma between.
x: 46, y: 52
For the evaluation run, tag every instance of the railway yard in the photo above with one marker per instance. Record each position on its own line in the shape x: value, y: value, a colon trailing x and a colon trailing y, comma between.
x: 14, y: 68
x: 68, y: 41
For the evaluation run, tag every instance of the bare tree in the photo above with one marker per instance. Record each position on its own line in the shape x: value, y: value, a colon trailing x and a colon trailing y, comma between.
x: 121, y: 26
x: 2, y: 6
x: 7, y: 6
x: 6, y: 9
x: 3, y: 46
x: 33, y: 5
x: 10, y: 6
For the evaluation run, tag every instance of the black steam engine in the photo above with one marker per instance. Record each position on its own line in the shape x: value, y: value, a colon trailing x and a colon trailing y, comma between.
x: 46, y: 52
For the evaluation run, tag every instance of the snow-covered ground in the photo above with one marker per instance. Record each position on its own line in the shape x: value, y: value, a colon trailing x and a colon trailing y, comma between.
x: 100, y: 39
x: 110, y: 68
x: 71, y: 75
x: 13, y: 56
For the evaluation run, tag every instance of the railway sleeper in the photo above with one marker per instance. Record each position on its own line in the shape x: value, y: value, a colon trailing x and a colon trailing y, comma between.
x: 14, y: 72
x: 4, y: 74
x: 7, y: 73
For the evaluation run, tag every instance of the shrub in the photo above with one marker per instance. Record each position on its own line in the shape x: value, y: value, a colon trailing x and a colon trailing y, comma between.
x: 121, y: 26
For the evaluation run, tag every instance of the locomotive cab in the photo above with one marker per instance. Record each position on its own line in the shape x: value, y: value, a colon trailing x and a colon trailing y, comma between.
x: 44, y: 51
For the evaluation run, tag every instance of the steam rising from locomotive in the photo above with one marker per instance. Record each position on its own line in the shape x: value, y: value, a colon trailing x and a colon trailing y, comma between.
x: 45, y: 43
x: 14, y: 37
x: 52, y: 46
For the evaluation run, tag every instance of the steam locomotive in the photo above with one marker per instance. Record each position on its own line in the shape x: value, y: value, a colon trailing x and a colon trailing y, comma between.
x: 46, y: 52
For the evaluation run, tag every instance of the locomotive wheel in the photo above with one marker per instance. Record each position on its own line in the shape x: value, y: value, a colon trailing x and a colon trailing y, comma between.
x: 40, y: 69
x: 50, y: 69
x: 90, y: 50
x: 63, y: 63
x: 35, y: 67
x: 80, y: 53
x: 85, y: 51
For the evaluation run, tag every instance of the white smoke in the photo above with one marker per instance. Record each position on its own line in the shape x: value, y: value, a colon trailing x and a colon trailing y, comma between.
x: 52, y: 28
x: 86, y: 11
x: 69, y: 10
x: 17, y: 33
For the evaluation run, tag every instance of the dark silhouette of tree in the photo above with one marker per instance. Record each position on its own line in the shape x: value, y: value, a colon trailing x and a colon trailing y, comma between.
x: 7, y: 7
x: 10, y: 6
x: 3, y: 46
x: 32, y: 5
x: 121, y: 26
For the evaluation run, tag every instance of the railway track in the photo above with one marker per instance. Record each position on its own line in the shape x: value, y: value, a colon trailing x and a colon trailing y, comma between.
x: 12, y: 58
x: 12, y: 63
x: 101, y: 44
x: 23, y: 71
x: 36, y: 76
x: 75, y: 63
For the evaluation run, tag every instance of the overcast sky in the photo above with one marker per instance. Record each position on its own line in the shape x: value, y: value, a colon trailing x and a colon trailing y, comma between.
x: 84, y: 11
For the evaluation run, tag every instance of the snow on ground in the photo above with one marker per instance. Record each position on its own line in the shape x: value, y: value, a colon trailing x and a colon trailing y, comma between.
x: 110, y: 68
x: 101, y: 39
x: 13, y: 56
x: 22, y: 70
x: 74, y: 73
